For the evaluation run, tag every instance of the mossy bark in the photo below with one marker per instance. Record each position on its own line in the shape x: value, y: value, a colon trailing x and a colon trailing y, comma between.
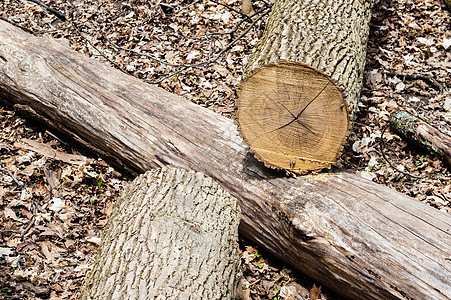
x: 421, y: 134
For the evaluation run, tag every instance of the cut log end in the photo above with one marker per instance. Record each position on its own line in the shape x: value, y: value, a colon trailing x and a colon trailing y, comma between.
x: 293, y: 117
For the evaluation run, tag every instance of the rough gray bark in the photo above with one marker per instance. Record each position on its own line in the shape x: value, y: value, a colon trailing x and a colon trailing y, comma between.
x: 363, y: 240
x: 328, y: 35
x: 172, y: 234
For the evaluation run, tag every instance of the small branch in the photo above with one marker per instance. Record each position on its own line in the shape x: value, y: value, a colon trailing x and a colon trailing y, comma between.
x: 214, y: 1
x: 100, y: 52
x: 12, y: 176
x: 237, y: 26
x: 248, y: 18
x: 167, y: 76
x: 28, y: 227
x: 55, y: 12
x: 200, y: 64
x: 422, y: 134
x: 428, y: 78
x: 266, y: 3
x: 264, y: 11
x: 181, y: 9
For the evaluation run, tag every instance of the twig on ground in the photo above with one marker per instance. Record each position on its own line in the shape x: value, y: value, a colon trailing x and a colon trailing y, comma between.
x: 12, y: 176
x: 57, y: 13
x: 248, y: 18
x: 28, y: 227
x: 63, y: 17
x: 100, y: 52
x: 428, y: 78
x: 181, y: 9
x: 237, y: 26
x: 263, y: 12
x: 200, y: 64
x: 167, y: 76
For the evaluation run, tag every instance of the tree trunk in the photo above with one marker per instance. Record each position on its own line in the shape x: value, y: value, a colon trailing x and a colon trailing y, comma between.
x: 172, y: 233
x: 306, y: 71
x: 422, y: 134
x: 360, y: 239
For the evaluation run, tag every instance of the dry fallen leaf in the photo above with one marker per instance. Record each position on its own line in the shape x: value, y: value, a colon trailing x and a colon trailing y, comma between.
x: 56, y: 204
x: 6, y: 251
x: 315, y: 292
x: 94, y: 240
x: 221, y: 70
x: 48, y: 151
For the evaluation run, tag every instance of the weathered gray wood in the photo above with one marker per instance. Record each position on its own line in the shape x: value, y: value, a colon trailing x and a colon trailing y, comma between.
x: 422, y: 134
x: 363, y: 240
x: 172, y: 234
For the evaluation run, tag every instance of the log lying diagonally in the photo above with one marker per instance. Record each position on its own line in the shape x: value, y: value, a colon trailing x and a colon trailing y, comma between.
x: 306, y: 71
x: 360, y: 239
x: 172, y: 233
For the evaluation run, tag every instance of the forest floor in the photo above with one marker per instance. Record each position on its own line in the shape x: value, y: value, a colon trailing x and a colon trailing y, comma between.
x: 55, y: 200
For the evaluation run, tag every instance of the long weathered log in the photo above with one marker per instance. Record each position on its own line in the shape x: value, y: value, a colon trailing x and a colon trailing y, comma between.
x: 172, y: 234
x: 305, y: 72
x: 422, y: 134
x: 360, y: 239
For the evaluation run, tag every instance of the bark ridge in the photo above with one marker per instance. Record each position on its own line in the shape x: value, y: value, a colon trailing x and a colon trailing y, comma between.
x: 172, y: 235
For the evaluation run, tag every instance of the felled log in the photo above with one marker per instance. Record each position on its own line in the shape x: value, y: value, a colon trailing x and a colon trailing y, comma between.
x: 172, y: 234
x: 356, y: 237
x: 303, y: 82
x: 421, y: 134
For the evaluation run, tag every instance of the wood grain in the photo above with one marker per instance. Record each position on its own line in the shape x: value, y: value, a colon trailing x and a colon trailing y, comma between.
x: 293, y: 117
x: 363, y: 240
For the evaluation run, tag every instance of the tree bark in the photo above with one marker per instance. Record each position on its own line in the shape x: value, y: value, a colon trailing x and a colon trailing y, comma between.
x: 448, y: 3
x: 360, y: 239
x: 422, y: 134
x: 172, y: 234
x: 305, y: 72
